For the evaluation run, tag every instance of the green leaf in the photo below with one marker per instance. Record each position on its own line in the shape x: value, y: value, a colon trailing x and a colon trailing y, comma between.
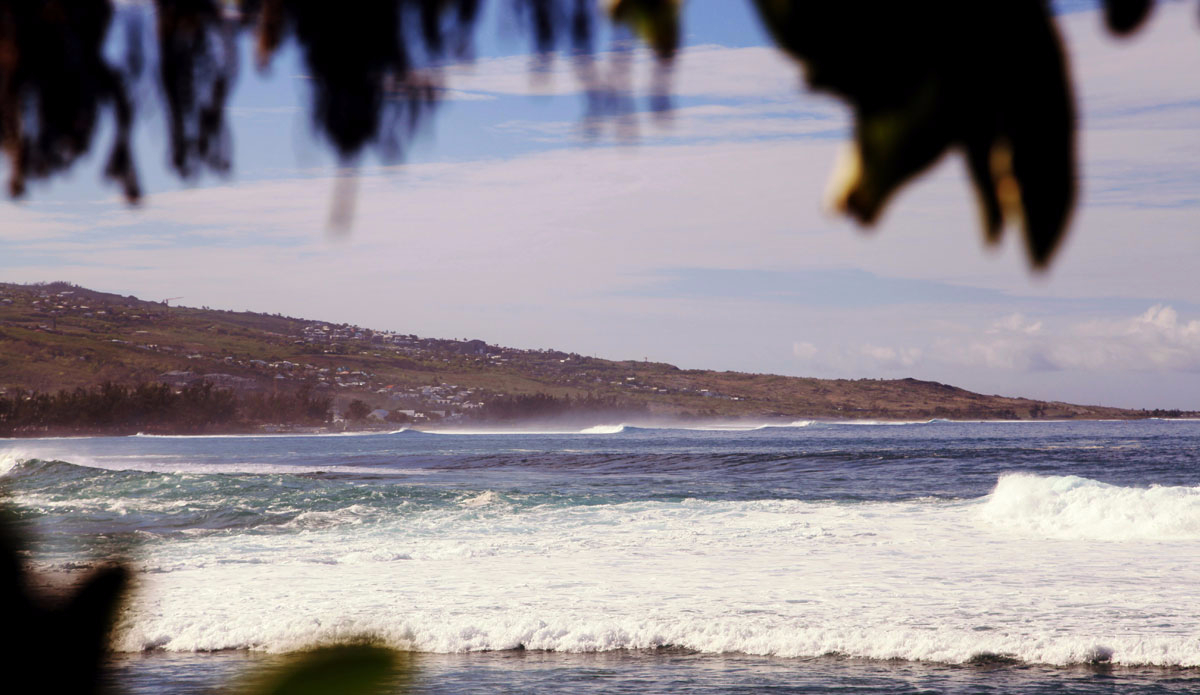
x: 345, y: 669
x: 655, y: 21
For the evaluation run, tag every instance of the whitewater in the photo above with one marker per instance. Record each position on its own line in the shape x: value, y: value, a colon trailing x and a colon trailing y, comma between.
x: 1052, y: 544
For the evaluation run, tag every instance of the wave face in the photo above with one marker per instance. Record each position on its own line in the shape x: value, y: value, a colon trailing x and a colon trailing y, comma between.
x: 1048, y: 544
x: 1074, y: 508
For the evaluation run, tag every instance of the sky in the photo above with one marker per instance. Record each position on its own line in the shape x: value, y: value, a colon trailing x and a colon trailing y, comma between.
x: 703, y: 241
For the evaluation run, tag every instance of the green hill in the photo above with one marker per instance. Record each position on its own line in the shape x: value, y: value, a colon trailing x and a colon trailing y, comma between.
x: 60, y: 336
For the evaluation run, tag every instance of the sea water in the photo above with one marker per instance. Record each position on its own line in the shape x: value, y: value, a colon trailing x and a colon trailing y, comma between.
x: 813, y: 557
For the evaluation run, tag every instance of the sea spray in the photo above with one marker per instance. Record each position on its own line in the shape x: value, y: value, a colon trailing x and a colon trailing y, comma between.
x: 1072, y: 507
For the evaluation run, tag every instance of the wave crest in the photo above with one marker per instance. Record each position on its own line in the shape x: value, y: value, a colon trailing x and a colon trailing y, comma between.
x: 1072, y: 507
x: 604, y: 429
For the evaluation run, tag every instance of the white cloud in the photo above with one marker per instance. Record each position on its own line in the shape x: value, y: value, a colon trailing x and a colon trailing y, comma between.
x: 1016, y: 323
x: 1156, y: 340
x: 804, y: 350
x: 886, y: 357
x: 23, y: 223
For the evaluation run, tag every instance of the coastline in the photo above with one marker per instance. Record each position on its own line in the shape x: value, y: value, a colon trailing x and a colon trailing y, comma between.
x: 552, y: 427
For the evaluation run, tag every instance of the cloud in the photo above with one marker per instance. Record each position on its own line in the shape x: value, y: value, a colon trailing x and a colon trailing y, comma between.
x: 885, y: 357
x: 804, y: 350
x: 814, y: 286
x: 1016, y: 323
x: 1156, y: 340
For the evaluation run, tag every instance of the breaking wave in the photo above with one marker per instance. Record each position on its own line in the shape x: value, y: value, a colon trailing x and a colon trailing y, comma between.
x: 1071, y: 507
x: 855, y: 542
x: 604, y: 429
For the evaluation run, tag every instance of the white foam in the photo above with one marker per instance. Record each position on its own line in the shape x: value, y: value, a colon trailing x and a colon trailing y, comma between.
x: 927, y: 579
x: 603, y: 429
x: 224, y: 468
x: 622, y: 427
x: 882, y: 422
x: 272, y: 435
x: 30, y: 450
x: 481, y: 500
x: 795, y: 424
x: 484, y: 432
x: 1070, y: 507
x: 352, y: 515
x: 744, y: 427
x: 9, y: 459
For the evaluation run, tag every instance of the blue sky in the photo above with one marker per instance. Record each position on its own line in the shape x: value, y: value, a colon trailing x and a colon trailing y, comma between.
x: 703, y: 243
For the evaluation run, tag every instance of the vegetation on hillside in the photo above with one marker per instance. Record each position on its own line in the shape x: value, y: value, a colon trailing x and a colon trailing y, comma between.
x: 59, y: 336
x: 154, y: 408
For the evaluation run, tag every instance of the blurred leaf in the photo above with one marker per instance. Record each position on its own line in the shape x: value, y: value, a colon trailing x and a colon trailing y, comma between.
x: 1123, y: 16
x: 55, y: 83
x: 61, y: 644
x: 346, y: 669
x: 986, y: 78
x: 655, y: 21
x: 198, y: 61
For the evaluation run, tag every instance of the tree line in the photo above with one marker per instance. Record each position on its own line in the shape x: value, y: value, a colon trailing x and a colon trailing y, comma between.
x: 155, y: 408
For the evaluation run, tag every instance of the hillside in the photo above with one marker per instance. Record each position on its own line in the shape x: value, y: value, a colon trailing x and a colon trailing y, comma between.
x: 60, y: 336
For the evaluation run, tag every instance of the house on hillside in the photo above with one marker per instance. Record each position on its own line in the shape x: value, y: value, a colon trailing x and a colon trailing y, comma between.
x: 178, y: 379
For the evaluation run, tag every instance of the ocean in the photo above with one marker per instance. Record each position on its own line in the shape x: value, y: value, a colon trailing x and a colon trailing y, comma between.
x: 817, y: 557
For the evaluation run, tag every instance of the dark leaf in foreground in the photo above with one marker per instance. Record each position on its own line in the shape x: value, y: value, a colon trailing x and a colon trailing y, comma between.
x: 198, y: 62
x: 371, y: 65
x: 1123, y: 16
x: 655, y: 21
x: 987, y: 78
x: 58, y: 648
x: 346, y: 669
x: 54, y: 82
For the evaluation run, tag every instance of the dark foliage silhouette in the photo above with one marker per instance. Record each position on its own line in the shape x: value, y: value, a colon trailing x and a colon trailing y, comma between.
x: 988, y: 79
x: 155, y: 408
x: 54, y: 82
x: 59, y: 643
x: 984, y: 77
x: 198, y: 62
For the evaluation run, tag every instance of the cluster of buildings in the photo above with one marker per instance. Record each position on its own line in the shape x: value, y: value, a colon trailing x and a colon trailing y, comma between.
x: 51, y: 303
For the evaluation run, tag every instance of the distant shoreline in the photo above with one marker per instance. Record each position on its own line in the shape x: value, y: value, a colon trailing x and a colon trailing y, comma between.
x: 239, y: 370
x: 548, y: 427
